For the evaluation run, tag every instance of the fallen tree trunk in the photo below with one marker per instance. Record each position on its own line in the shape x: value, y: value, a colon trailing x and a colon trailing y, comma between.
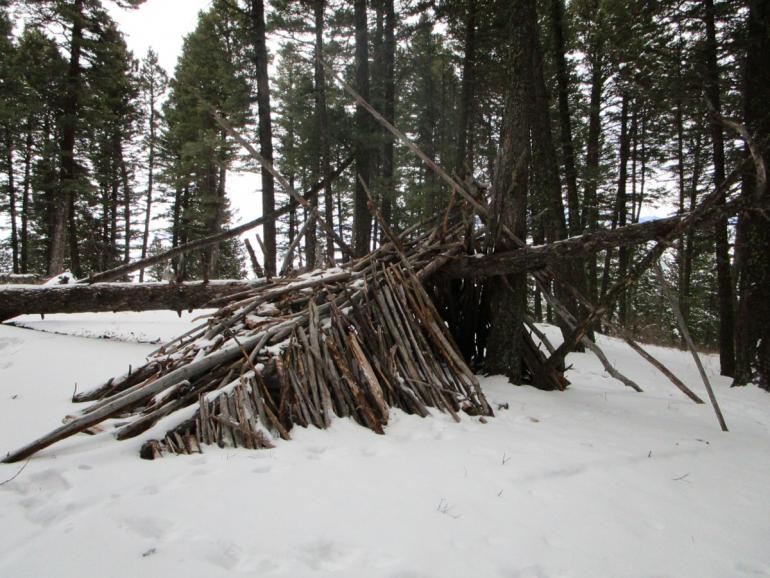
x: 535, y: 257
x: 113, y: 297
x: 20, y: 278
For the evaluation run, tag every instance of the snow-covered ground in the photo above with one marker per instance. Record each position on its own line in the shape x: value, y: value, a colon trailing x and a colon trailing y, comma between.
x: 596, y: 481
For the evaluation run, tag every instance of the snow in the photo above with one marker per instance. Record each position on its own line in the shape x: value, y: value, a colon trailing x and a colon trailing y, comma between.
x: 145, y: 327
x: 594, y: 481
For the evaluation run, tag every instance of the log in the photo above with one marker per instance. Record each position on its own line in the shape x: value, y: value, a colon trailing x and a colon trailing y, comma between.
x: 104, y: 297
x: 669, y: 294
x: 20, y: 278
x: 535, y: 257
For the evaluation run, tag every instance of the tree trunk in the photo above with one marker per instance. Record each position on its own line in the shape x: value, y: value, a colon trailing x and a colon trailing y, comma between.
x: 112, y: 297
x: 464, y: 161
x: 753, y: 324
x: 265, y: 127
x: 361, y: 215
x: 680, y: 246
x: 126, y: 206
x: 150, y: 182
x: 505, y: 343
x: 25, y: 199
x: 565, y: 123
x: 12, y: 198
x: 722, y: 246
x: 322, y: 125
x: 389, y: 112
x: 621, y: 203
x: 591, y: 176
x: 63, y: 199
x: 537, y: 256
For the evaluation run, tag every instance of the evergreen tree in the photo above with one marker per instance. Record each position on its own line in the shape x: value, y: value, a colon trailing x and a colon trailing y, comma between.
x: 197, y: 151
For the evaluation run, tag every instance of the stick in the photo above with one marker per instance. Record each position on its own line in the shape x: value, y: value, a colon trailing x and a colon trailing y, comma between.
x: 123, y: 270
x: 268, y: 166
x: 453, y: 184
x: 685, y: 332
x: 258, y: 271
x: 290, y: 252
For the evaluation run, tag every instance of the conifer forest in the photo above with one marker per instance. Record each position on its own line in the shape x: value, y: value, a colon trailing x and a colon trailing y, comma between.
x: 385, y: 288
x: 557, y: 149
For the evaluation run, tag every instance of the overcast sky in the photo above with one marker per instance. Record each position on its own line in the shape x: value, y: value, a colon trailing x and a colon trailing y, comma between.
x: 159, y: 24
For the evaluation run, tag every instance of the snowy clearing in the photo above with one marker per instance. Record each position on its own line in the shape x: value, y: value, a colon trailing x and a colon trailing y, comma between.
x: 595, y: 481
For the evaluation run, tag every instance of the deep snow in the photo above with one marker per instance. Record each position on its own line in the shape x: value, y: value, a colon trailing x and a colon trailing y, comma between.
x: 592, y: 482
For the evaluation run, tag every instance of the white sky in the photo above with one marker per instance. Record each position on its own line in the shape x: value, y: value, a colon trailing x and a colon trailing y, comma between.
x: 159, y: 24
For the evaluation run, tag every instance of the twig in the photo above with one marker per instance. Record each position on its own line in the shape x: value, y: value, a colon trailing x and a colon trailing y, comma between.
x: 685, y: 332
x: 16, y: 475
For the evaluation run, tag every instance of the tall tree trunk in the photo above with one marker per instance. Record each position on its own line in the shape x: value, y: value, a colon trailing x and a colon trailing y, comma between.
x: 753, y: 325
x: 265, y: 127
x: 544, y: 160
x: 464, y: 161
x: 565, y: 122
x: 126, y: 206
x: 12, y: 198
x: 64, y: 198
x: 25, y: 198
x: 591, y: 177
x: 680, y: 244
x: 722, y: 246
x: 509, y: 197
x: 322, y: 124
x: 689, y: 250
x: 150, y: 182
x: 622, y: 210
x: 72, y: 236
x: 389, y: 111
x: 361, y: 216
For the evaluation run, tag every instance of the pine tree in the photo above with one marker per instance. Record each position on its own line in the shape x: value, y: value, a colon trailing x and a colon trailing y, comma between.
x: 197, y: 152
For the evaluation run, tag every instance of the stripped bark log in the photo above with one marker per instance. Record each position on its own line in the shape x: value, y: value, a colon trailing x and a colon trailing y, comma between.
x: 101, y: 297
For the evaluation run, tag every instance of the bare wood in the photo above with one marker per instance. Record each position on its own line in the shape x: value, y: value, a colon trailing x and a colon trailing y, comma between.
x: 531, y: 257
x: 575, y: 336
x: 186, y: 372
x: 258, y: 271
x: 292, y: 247
x: 452, y: 183
x: 268, y: 166
x: 113, y: 297
x: 666, y: 290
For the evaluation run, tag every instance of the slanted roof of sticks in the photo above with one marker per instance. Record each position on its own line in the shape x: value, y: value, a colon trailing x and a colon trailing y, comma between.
x: 350, y: 341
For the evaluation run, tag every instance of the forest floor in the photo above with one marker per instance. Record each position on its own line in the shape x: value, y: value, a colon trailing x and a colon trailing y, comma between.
x: 596, y: 481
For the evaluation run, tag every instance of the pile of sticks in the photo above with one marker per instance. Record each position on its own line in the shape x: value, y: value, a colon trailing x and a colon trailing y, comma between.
x: 348, y: 342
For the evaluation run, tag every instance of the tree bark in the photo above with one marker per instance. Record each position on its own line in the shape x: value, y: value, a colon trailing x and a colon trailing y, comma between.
x: 265, y: 127
x: 112, y: 297
x: 722, y: 246
x: 565, y: 123
x: 464, y: 161
x: 26, y: 186
x: 322, y: 125
x: 11, y: 185
x: 753, y: 324
x: 63, y: 199
x: 361, y: 216
x: 389, y: 111
x: 150, y: 180
x: 538, y: 256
